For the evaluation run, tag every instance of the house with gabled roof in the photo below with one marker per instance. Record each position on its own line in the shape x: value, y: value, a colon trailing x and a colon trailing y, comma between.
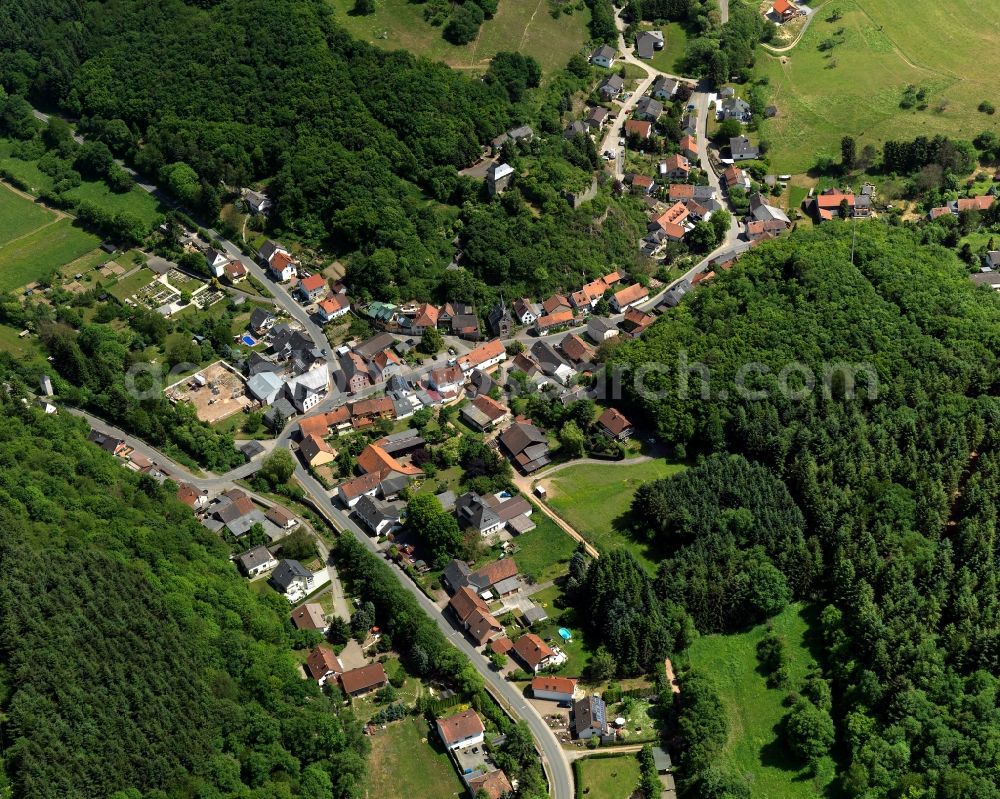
x: 461, y: 730
x: 603, y: 56
x: 323, y: 665
x: 642, y: 128
x: 358, y: 682
x: 613, y: 424
x: 532, y: 652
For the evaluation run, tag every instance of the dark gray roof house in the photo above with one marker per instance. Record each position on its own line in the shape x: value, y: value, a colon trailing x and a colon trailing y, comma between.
x: 742, y: 149
x: 279, y: 413
x: 649, y: 108
x: 647, y: 43
x: 260, y: 320
x: 735, y: 108
x: 611, y: 85
x: 288, y: 573
x: 456, y: 575
x: 674, y: 296
x: 527, y: 446
x: 991, y: 259
x: 664, y: 87
x: 474, y: 514
x: 574, y: 129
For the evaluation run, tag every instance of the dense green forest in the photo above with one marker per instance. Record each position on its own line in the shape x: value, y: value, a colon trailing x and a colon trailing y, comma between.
x: 879, y: 503
x: 134, y: 661
x: 360, y: 147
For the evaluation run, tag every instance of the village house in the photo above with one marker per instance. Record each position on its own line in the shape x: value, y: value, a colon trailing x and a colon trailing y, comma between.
x: 377, y: 515
x: 827, y: 204
x: 483, y: 357
x: 280, y: 517
x: 308, y: 617
x: 316, y: 452
x: 485, y: 413
x: 600, y: 329
x: 236, y: 272
x: 461, y: 730
x: 649, y: 108
x: 474, y: 616
x: 735, y: 177
x: 603, y: 56
x: 494, y: 785
x: 350, y: 491
x: 613, y: 424
x: 611, y: 87
x: 574, y: 129
x: 278, y: 261
x: 783, y: 10
x: 638, y: 127
x: 474, y: 514
x: 526, y: 446
x: 525, y: 311
x: 647, y: 43
x: 596, y: 119
x: 742, y: 150
x: 734, y: 108
x: 689, y: 148
x: 256, y: 561
x: 216, y: 261
x: 553, y: 320
x: 311, y: 288
x: 641, y: 184
x: 292, y: 578
x: 576, y: 350
x: 358, y: 682
x: 532, y: 652
x: 671, y: 222
x: 555, y: 304
x: 333, y: 307
x: 446, y: 379
x: 590, y: 717
x: 665, y: 88
x: 556, y: 689
x: 495, y: 579
x: 322, y: 664
x: 637, y: 321
x: 257, y: 203
x: 587, y: 297
x: 260, y: 321
x: 676, y: 167
x: 499, y: 178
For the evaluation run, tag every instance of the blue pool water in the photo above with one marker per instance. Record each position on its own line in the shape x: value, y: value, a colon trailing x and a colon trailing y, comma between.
x: 248, y: 340
x: 565, y: 634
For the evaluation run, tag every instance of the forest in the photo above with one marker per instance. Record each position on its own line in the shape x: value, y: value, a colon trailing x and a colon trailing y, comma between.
x: 876, y: 500
x: 136, y: 663
x: 359, y: 147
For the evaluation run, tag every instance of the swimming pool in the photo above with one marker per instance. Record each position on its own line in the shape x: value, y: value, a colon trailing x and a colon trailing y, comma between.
x: 565, y: 634
x: 249, y: 340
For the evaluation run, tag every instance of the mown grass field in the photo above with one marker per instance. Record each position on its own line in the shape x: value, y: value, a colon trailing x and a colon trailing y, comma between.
x: 607, y: 777
x: 403, y: 763
x: 882, y: 46
x: 135, y: 201
x: 544, y: 552
x: 671, y: 57
x: 19, y: 216
x: 42, y: 250
x: 525, y: 26
x: 595, y: 499
x: 755, y: 749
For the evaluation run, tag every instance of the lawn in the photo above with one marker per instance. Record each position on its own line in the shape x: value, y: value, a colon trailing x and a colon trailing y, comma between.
x: 607, y: 777
x: 576, y: 649
x: 407, y: 761
x: 755, y: 711
x: 42, y: 252
x: 855, y: 87
x: 671, y: 58
x: 544, y: 552
x: 595, y: 500
x: 525, y: 26
x: 19, y: 216
x: 11, y: 342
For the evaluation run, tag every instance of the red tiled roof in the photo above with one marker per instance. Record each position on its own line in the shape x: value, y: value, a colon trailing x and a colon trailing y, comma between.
x: 460, y: 726
x: 553, y: 319
x: 360, y: 485
x: 321, y: 662
x: 464, y: 602
x: 640, y: 127
x: 427, y: 316
x: 494, y: 785
x: 375, y: 460
x: 614, y: 421
x: 564, y: 685
x: 980, y: 203
x: 532, y: 650
x: 497, y: 570
x: 493, y: 409
x: 280, y: 260
x: 312, y: 282
x: 642, y: 181
x: 481, y: 354
x: 554, y: 302
x: 366, y: 677
x: 502, y: 646
x: 677, y: 162
x: 631, y: 294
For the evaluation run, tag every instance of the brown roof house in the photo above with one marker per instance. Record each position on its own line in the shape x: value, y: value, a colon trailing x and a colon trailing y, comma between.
x: 494, y: 784
x: 461, y: 730
x: 309, y: 617
x: 526, y: 446
x: 533, y: 653
x: 358, y: 682
x: 613, y: 424
x: 322, y: 664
